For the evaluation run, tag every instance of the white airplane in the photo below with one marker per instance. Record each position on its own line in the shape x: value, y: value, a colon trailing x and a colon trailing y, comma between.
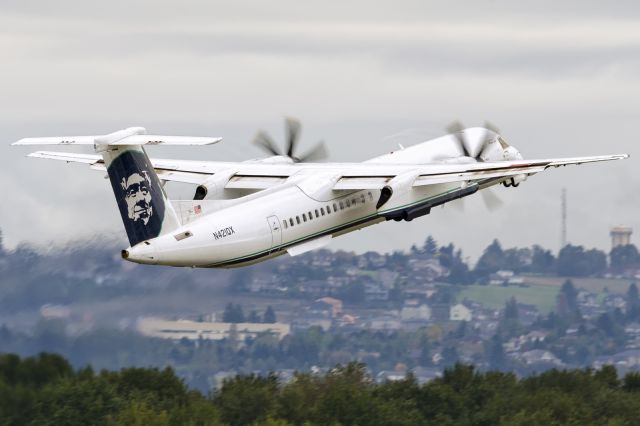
x: 247, y: 212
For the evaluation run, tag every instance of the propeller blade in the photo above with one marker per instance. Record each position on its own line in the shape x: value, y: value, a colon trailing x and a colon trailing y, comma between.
x: 490, y: 126
x: 293, y: 132
x: 456, y: 129
x: 494, y: 129
x: 264, y: 141
x: 318, y: 152
x: 491, y: 200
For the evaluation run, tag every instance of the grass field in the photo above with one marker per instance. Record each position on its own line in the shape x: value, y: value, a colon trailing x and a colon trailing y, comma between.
x: 543, y: 296
x: 594, y: 285
x: 541, y: 291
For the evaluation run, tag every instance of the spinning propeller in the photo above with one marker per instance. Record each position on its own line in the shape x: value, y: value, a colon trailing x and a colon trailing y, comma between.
x: 480, y: 145
x: 292, y: 132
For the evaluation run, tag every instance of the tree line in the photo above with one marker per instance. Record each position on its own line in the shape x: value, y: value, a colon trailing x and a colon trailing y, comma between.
x: 235, y: 314
x: 45, y: 390
x: 571, y: 261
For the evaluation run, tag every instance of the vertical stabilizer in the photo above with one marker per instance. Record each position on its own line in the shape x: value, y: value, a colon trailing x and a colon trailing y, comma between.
x: 145, y: 210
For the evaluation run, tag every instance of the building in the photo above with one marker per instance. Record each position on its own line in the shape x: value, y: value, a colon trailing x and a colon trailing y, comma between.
x: 335, y: 304
x: 192, y: 330
x: 539, y: 356
x: 413, y: 311
x: 384, y: 322
x: 460, y: 312
x: 620, y: 236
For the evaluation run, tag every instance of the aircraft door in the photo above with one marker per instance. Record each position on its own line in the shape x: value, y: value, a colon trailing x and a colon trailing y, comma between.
x: 276, y: 231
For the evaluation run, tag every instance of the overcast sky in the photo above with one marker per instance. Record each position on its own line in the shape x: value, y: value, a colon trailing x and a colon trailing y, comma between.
x: 558, y: 78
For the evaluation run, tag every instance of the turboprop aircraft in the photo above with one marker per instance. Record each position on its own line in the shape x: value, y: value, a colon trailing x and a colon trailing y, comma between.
x: 246, y: 212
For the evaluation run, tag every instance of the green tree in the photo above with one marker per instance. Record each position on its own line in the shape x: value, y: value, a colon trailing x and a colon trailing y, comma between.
x: 492, y: 260
x: 233, y: 313
x: 425, y: 351
x: 624, y: 257
x: 430, y: 246
x: 353, y: 293
x: 495, y: 354
x: 347, y: 396
x: 633, y: 302
x: 511, y: 309
x: 244, y: 400
x: 631, y: 382
x: 253, y: 317
x: 542, y: 261
x: 451, y: 259
x: 574, y: 261
x: 517, y: 259
x: 138, y: 413
x: 450, y: 356
x: 269, y: 316
x: 567, y: 302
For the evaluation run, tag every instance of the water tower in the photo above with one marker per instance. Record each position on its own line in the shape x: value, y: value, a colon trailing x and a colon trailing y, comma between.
x: 620, y: 236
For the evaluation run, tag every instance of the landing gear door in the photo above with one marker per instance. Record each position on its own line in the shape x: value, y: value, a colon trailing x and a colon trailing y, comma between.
x: 276, y: 231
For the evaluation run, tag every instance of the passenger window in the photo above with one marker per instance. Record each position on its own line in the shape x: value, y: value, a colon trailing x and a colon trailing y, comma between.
x: 370, y: 196
x: 341, y: 205
x: 353, y: 201
x: 304, y: 217
x: 335, y: 207
x: 291, y: 221
x: 285, y: 224
x: 317, y: 213
x: 362, y: 199
x: 347, y: 203
x: 310, y: 216
x: 298, y: 219
x: 322, y: 211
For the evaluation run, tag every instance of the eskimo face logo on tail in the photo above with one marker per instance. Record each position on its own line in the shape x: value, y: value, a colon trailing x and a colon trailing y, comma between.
x: 139, y: 195
x: 137, y: 190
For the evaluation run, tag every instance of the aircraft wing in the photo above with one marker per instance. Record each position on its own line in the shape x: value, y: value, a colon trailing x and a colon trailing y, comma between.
x: 348, y: 176
x: 447, y: 173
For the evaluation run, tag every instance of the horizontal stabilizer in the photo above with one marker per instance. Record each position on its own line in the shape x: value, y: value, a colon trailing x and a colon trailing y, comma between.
x: 68, y: 157
x: 130, y: 136
x: 96, y: 162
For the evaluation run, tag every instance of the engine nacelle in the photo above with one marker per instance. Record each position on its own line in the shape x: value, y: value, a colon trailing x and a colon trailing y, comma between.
x: 213, y: 187
x: 397, y: 194
x: 398, y: 187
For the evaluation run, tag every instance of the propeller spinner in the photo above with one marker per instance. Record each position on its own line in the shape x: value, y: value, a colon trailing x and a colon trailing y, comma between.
x: 484, y: 144
x: 292, y: 132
